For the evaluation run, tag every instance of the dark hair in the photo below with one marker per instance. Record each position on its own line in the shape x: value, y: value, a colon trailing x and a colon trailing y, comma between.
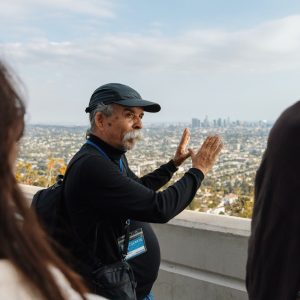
x: 22, y: 240
x: 272, y: 270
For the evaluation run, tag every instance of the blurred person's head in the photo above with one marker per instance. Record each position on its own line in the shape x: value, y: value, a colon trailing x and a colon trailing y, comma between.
x: 12, y: 112
x: 22, y: 241
x: 116, y: 111
x: 273, y: 254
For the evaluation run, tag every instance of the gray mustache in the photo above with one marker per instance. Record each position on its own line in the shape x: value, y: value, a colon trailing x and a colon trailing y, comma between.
x: 133, y: 135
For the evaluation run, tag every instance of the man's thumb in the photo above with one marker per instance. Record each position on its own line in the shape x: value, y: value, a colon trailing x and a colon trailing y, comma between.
x: 191, y: 152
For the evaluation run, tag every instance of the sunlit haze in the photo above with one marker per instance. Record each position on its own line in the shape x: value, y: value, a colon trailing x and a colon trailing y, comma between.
x: 236, y: 59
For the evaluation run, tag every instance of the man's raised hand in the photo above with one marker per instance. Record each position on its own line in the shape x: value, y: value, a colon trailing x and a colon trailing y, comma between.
x: 205, y: 157
x: 181, y: 154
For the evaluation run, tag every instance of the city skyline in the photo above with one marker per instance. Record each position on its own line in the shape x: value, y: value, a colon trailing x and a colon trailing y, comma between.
x: 196, y: 58
x: 206, y: 121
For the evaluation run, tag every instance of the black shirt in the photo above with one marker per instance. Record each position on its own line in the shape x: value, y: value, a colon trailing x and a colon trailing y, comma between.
x: 97, y: 191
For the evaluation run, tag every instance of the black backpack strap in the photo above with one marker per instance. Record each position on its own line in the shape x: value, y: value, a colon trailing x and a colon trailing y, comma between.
x: 77, y: 156
x: 89, y: 259
x: 123, y: 252
x: 126, y: 240
x: 80, y: 246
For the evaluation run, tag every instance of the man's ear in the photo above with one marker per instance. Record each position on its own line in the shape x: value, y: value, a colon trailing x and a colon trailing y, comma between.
x: 99, y: 120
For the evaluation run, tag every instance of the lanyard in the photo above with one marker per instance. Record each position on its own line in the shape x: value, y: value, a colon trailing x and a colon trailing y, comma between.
x: 104, y: 154
x: 124, y: 252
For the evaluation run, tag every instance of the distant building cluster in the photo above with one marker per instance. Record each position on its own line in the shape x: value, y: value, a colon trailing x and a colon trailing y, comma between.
x: 225, y: 123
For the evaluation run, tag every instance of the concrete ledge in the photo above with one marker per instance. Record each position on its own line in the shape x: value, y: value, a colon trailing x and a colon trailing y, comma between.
x: 29, y: 191
x: 204, y: 221
x: 203, y: 256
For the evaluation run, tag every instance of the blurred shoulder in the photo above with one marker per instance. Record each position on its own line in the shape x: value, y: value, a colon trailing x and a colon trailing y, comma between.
x: 13, y: 285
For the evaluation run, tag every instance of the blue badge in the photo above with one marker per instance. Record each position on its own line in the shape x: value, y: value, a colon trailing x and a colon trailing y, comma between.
x: 136, y: 244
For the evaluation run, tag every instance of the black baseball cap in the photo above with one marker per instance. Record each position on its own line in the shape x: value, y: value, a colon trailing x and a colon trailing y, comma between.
x: 122, y: 95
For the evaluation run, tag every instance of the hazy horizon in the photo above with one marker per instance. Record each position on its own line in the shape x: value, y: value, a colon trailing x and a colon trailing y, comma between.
x: 145, y: 123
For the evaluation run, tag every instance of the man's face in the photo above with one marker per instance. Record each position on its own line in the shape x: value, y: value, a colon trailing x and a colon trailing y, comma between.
x: 122, y: 128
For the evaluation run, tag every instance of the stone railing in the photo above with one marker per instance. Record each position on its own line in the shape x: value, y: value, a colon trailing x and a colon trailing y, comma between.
x: 203, y: 256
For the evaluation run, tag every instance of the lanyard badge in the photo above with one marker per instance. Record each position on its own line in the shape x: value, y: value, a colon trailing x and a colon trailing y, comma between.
x: 136, y: 244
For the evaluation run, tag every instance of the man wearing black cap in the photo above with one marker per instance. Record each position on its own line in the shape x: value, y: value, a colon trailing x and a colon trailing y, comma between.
x: 101, y: 188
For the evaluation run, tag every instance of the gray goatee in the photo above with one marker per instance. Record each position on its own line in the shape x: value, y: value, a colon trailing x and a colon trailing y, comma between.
x: 131, y: 137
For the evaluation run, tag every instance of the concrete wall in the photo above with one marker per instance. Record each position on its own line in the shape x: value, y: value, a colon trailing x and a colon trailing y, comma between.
x: 203, y: 256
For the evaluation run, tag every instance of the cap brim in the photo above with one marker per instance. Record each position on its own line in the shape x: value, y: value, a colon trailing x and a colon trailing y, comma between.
x: 148, y: 106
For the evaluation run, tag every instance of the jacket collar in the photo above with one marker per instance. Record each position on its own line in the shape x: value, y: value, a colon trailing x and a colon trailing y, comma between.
x: 111, y: 151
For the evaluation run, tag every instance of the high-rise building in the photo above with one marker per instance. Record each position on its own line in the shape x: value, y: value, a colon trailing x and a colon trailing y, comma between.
x: 196, y: 123
x: 206, y: 122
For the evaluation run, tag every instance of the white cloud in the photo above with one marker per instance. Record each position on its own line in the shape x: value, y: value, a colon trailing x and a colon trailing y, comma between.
x: 98, y: 8
x: 270, y: 46
x: 24, y: 8
x: 10, y: 8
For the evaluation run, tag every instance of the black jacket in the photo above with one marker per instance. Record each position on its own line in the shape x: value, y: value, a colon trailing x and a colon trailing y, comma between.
x: 96, y: 191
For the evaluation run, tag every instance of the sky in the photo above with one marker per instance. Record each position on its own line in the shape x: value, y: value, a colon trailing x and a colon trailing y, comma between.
x: 236, y: 59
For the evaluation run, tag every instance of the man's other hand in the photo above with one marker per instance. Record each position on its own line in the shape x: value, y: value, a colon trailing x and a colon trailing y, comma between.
x: 181, y: 154
x: 208, y: 153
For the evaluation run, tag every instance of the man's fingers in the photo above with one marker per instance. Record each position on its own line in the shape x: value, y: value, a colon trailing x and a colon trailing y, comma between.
x: 185, y: 138
x: 206, y: 144
x: 216, y: 145
x: 219, y: 147
x: 215, y: 141
x: 208, y: 153
x: 211, y: 143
